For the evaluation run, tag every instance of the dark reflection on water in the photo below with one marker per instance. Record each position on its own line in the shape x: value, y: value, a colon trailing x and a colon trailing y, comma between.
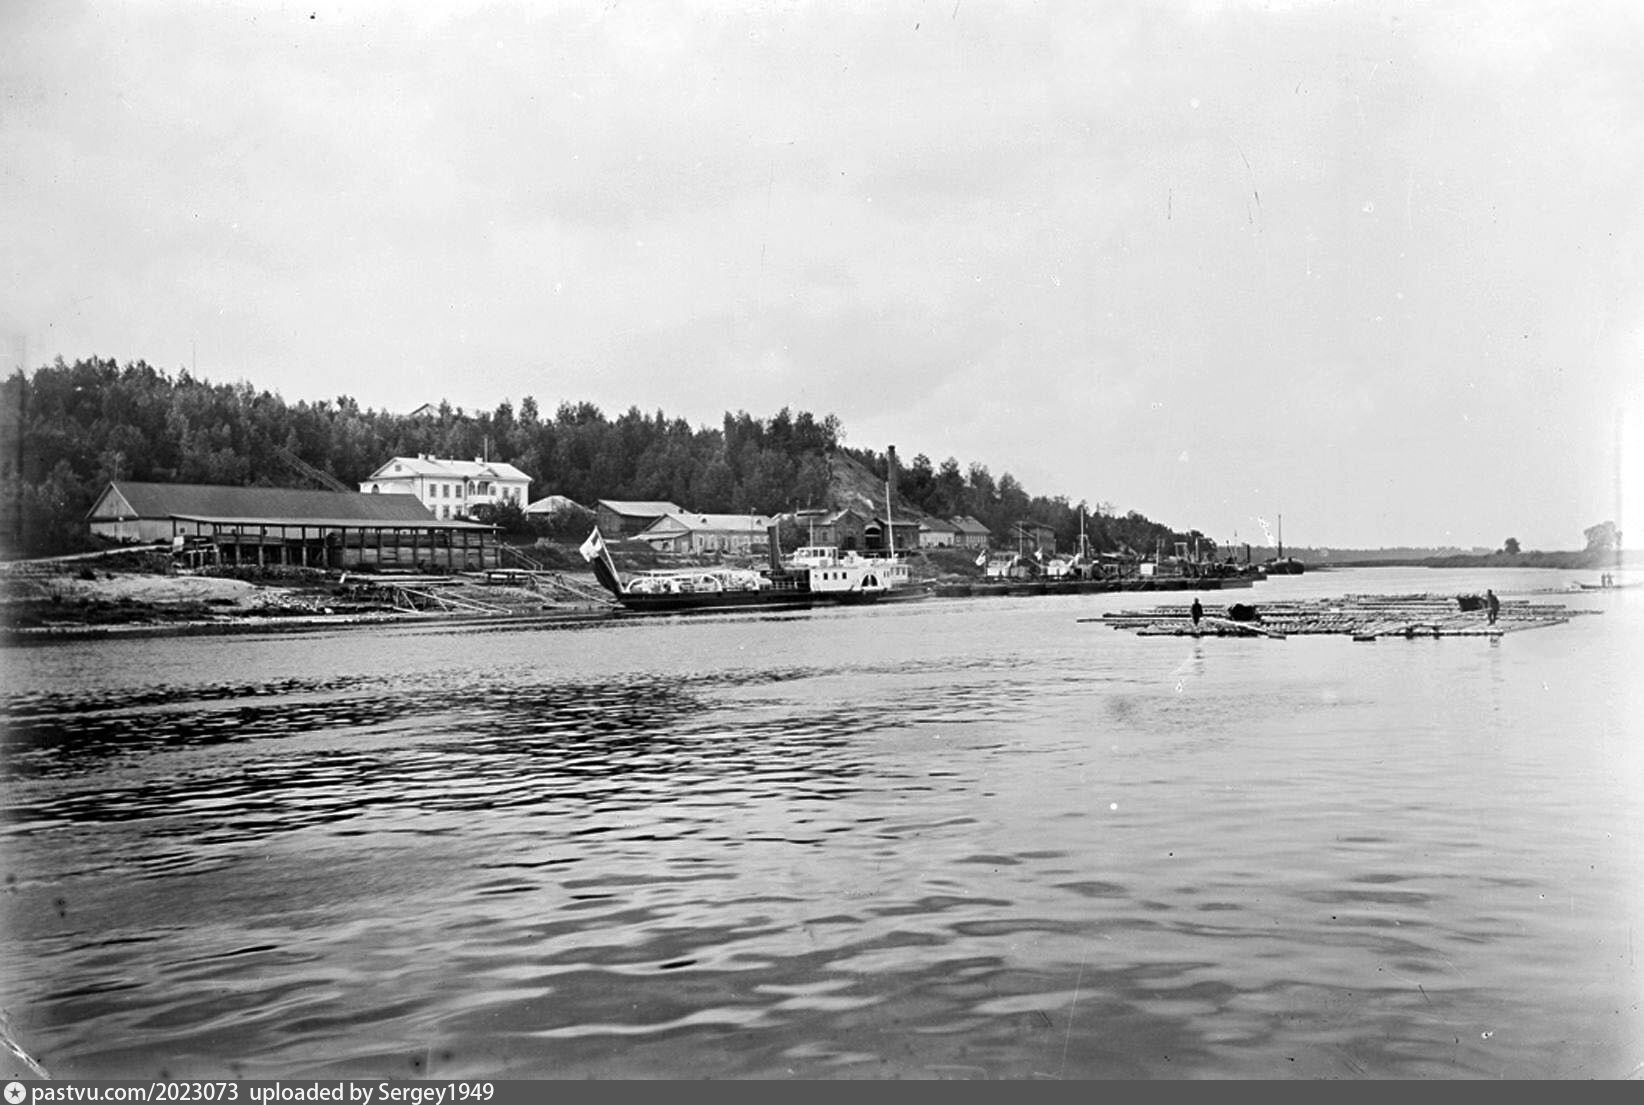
x: 938, y: 844
x: 606, y: 748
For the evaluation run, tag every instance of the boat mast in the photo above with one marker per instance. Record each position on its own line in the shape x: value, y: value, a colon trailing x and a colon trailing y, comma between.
x: 1618, y: 519
x: 890, y: 525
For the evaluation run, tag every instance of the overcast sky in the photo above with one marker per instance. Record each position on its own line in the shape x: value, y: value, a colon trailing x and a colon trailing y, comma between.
x: 1375, y: 267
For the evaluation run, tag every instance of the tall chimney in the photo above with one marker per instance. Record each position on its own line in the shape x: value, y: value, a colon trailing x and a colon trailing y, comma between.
x: 890, y: 469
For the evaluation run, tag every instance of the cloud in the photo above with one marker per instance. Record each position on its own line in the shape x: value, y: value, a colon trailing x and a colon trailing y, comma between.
x: 1363, y: 259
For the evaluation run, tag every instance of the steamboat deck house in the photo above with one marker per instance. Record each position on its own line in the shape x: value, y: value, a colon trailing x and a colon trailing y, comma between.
x: 272, y: 526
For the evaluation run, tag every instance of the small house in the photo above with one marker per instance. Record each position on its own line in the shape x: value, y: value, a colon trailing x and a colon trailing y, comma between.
x: 708, y: 533
x: 624, y: 519
x: 937, y: 534
x: 843, y: 529
x: 969, y: 533
x: 881, y: 535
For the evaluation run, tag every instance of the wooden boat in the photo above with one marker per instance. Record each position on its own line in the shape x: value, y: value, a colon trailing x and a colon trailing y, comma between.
x: 1606, y: 583
x: 1282, y: 565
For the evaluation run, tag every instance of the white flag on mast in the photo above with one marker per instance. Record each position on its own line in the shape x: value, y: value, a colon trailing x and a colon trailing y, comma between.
x: 593, y: 547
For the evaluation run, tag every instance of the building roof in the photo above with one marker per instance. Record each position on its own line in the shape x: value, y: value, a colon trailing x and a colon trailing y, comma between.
x: 551, y: 504
x: 722, y: 523
x: 936, y: 525
x: 446, y: 468
x: 967, y: 524
x: 641, y: 509
x: 264, y: 506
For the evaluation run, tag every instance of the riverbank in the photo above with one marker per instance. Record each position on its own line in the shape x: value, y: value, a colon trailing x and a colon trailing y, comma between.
x: 134, y: 594
x: 81, y: 599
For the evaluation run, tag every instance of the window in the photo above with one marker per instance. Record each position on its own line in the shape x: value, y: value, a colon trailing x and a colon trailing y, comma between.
x: 447, y: 488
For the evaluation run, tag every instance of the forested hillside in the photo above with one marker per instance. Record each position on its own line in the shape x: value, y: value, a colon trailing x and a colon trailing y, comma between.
x: 67, y: 430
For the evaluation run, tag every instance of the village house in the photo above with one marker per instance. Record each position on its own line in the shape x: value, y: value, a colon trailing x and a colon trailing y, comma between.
x: 624, y: 519
x: 842, y: 529
x: 278, y: 526
x: 853, y: 530
x: 708, y: 533
x: 886, y: 536
x: 969, y: 533
x: 451, y: 488
x: 937, y: 534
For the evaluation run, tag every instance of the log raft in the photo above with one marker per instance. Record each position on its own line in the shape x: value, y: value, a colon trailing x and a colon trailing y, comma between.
x: 1362, y: 617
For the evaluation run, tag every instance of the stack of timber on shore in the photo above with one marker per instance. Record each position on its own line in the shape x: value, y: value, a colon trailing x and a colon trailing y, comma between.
x: 505, y: 592
x: 1363, y: 617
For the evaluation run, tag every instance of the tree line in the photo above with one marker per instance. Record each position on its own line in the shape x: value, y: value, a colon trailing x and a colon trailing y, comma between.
x: 70, y: 429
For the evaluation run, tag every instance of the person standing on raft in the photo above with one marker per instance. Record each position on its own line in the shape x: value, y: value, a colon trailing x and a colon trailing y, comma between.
x: 1492, y: 605
x: 1198, y: 612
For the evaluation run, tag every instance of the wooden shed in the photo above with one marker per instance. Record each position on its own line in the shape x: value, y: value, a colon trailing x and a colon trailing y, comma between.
x: 624, y: 519
x: 272, y: 525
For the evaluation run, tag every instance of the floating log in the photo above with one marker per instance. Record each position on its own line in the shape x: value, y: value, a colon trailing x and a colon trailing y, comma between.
x: 1363, y: 617
x: 1210, y: 626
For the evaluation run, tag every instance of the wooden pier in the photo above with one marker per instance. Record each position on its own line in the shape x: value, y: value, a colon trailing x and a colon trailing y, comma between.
x: 1362, y: 617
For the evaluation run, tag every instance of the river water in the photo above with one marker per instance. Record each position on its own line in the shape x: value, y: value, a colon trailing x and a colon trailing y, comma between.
x: 968, y: 838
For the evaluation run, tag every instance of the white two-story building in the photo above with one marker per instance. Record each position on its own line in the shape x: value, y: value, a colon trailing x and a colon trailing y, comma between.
x: 451, y: 488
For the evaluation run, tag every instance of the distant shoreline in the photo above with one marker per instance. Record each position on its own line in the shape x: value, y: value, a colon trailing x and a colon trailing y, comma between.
x: 1567, y: 561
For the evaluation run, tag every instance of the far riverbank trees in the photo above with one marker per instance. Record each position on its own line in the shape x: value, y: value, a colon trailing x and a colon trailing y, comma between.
x: 66, y: 430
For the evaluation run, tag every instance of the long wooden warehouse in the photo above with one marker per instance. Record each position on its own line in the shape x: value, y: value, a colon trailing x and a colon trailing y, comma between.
x: 272, y: 525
